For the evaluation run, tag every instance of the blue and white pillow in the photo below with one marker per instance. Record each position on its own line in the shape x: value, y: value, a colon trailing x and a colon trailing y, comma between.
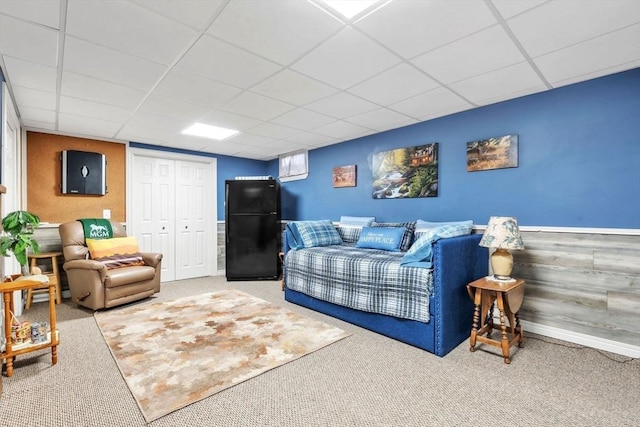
x: 349, y: 227
x: 385, y: 238
x: 359, y: 221
x: 308, y: 234
x: 349, y: 233
x: 421, y: 253
x: 423, y: 227
x: 407, y: 237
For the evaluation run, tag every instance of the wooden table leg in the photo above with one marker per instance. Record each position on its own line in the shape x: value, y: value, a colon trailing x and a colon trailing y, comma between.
x: 8, y: 307
x: 504, y: 342
x: 476, y: 319
x: 52, y: 327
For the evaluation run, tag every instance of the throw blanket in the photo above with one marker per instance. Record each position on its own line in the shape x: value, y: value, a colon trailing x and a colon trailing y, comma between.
x: 96, y: 228
x: 363, y: 279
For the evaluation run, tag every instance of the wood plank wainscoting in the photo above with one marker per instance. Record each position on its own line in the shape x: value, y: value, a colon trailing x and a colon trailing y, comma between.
x: 582, y: 285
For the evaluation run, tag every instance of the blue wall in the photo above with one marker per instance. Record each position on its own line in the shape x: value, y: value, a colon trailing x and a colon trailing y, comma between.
x: 579, y: 163
x: 228, y: 168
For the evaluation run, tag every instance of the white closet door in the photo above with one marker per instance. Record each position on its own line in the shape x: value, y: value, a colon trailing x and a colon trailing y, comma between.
x: 194, y: 242
x: 153, y: 205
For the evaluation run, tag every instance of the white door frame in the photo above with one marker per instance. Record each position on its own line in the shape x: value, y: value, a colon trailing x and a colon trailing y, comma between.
x: 12, y: 177
x: 211, y: 161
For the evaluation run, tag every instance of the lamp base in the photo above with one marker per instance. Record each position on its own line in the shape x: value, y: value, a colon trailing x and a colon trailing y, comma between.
x: 501, y: 264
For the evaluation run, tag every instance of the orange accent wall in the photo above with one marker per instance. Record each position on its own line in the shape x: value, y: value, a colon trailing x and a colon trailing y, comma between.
x: 44, y: 197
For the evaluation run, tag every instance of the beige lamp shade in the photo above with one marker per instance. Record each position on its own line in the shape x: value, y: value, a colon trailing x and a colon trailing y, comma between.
x: 502, y: 234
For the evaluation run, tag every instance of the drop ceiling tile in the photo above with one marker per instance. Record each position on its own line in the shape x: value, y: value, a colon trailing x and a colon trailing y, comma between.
x: 217, y: 60
x: 257, y: 153
x: 431, y: 104
x: 509, y: 82
x: 87, y: 126
x: 170, y: 107
x: 278, y: 30
x: 195, y: 89
x: 566, y: 24
x: 303, y: 119
x: 257, y: 106
x: 396, y: 84
x: 84, y: 108
x: 44, y: 12
x: 146, y: 135
x: 510, y: 8
x: 37, y: 114
x: 34, y: 124
x: 310, y: 139
x: 252, y: 140
x: 28, y: 41
x: 83, y: 87
x: 156, y: 121
x: 341, y: 105
x: 127, y: 27
x: 471, y: 56
x: 294, y: 88
x: 341, y: 130
x: 419, y: 26
x: 271, y: 130
x: 229, y: 120
x: 381, y: 119
x: 34, y: 98
x: 346, y: 59
x: 30, y: 75
x: 107, y: 64
x: 193, y: 13
x: 592, y: 56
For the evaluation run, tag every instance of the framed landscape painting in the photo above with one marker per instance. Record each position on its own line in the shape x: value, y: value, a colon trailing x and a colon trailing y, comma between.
x: 492, y: 153
x: 406, y: 172
x: 344, y: 176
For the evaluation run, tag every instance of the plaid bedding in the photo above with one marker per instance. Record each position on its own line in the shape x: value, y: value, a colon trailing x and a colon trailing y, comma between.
x: 364, y: 279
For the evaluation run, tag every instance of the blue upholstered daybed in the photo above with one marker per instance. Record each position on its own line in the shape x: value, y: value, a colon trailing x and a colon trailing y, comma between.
x: 426, y: 307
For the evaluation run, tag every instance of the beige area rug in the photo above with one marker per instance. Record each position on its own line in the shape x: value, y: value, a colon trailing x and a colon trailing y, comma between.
x: 174, y: 353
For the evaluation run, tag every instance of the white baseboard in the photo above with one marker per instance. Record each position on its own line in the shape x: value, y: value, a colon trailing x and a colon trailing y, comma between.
x: 582, y: 339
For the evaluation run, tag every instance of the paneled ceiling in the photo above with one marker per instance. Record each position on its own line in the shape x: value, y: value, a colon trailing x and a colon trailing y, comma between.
x: 293, y: 74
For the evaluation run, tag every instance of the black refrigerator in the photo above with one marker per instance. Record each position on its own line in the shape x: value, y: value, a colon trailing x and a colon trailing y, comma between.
x: 252, y: 228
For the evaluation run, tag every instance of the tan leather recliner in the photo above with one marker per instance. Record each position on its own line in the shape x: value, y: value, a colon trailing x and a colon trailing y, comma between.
x: 92, y: 285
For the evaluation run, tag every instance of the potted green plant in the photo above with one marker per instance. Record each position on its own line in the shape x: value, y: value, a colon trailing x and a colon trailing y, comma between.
x: 17, y: 237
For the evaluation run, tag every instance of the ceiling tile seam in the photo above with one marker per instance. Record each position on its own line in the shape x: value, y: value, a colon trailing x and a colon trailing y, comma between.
x: 582, y: 41
x: 494, y: 10
x: 26, y: 21
x: 211, y: 19
x: 164, y: 75
x: 631, y: 64
x: 60, y: 65
x: 405, y: 61
x: 282, y: 68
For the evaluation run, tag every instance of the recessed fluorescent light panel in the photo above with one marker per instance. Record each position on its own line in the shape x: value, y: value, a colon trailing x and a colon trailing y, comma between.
x: 208, y: 131
x: 352, y: 8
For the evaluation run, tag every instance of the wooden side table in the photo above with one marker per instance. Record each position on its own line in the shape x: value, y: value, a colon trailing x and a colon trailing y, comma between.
x: 13, y: 350
x: 53, y: 275
x: 508, y: 295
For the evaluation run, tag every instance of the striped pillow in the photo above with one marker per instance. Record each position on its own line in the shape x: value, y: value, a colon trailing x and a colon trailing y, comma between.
x: 116, y: 252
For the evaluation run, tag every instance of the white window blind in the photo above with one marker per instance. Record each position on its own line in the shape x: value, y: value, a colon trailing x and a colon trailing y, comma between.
x: 293, y: 166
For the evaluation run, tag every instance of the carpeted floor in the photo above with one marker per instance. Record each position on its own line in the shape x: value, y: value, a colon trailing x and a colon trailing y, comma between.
x: 365, y: 380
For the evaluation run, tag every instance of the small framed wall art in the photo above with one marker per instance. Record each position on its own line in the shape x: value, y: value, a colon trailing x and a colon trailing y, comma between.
x: 344, y: 176
x: 493, y: 153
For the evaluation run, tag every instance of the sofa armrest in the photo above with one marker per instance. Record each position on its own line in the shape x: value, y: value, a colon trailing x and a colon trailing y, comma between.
x: 87, y: 265
x: 84, y: 264
x: 457, y: 261
x: 152, y: 259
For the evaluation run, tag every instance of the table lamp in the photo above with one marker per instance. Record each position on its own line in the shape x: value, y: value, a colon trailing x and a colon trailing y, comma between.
x: 502, y: 234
